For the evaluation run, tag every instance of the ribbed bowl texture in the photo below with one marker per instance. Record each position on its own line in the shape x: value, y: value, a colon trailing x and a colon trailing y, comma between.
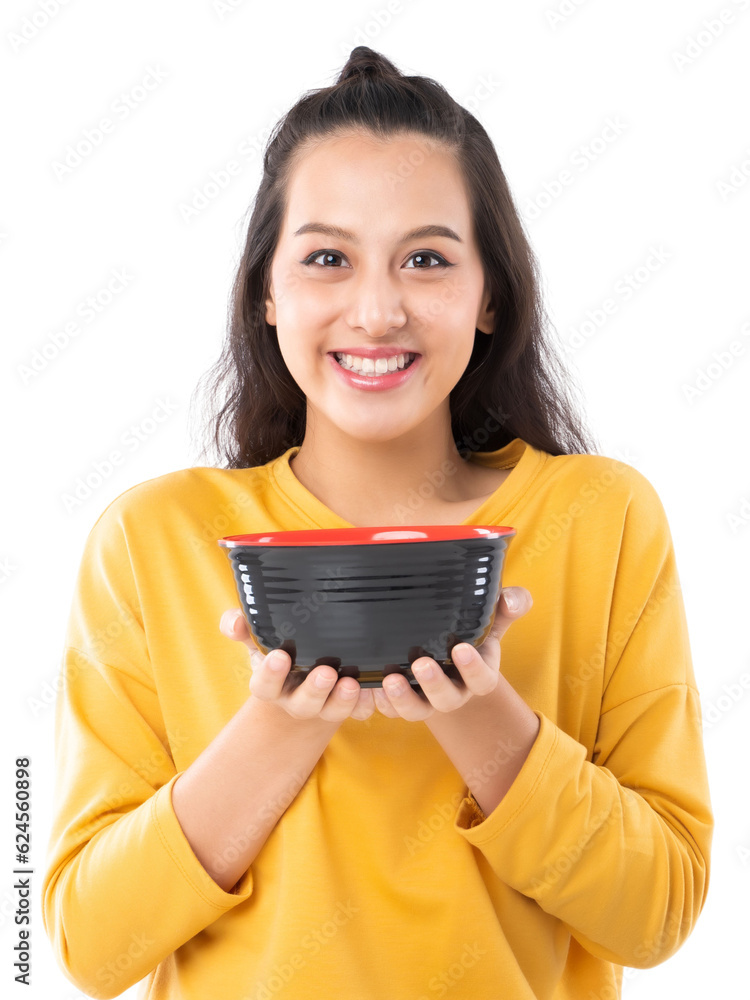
x: 371, y: 609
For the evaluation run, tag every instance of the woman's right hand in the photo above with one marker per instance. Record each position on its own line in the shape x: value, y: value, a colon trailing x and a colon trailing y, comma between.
x: 322, y: 694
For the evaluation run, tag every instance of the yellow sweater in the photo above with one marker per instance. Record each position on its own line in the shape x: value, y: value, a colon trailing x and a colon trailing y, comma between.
x: 383, y: 878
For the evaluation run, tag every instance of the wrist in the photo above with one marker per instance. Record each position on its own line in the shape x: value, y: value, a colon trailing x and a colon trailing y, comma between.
x: 280, y: 724
x: 488, y: 741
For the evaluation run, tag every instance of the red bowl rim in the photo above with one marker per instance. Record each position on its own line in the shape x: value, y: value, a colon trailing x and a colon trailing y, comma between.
x: 369, y: 536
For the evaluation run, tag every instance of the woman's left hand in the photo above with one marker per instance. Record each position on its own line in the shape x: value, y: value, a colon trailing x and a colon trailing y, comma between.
x: 481, y: 672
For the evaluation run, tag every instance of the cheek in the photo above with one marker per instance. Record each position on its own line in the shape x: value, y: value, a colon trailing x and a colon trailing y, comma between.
x: 458, y: 335
x: 307, y: 316
x: 299, y: 289
x: 303, y: 357
x: 296, y: 361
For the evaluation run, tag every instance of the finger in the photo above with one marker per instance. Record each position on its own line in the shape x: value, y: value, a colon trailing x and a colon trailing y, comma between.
x: 268, y: 684
x: 309, y: 699
x: 480, y: 675
x: 229, y: 621
x: 269, y: 674
x: 233, y: 625
x: 333, y: 699
x: 513, y: 603
x: 345, y: 702
x: 440, y: 690
x: 383, y: 704
x: 406, y: 701
x: 341, y: 695
x: 302, y: 699
x: 365, y: 706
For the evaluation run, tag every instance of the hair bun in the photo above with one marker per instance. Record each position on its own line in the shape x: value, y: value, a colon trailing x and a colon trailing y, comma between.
x: 364, y: 61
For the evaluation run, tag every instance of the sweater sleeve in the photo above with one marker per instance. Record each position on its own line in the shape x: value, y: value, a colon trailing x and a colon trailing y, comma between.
x: 122, y: 887
x: 617, y: 847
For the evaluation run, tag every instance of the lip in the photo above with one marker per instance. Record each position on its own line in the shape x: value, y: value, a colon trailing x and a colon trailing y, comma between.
x: 374, y: 352
x: 391, y: 380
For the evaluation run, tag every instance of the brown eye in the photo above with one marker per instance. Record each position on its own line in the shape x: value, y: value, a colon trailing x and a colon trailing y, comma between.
x: 326, y: 254
x: 424, y: 255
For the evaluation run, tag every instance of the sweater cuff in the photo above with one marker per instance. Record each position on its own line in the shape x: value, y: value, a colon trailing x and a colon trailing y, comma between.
x: 469, y: 813
x: 479, y: 829
x: 180, y: 853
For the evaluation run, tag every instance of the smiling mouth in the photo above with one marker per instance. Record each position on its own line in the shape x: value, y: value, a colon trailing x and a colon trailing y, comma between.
x: 373, y: 367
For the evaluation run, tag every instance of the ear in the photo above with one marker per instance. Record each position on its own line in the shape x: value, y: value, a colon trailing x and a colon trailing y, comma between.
x: 271, y: 309
x: 486, y: 317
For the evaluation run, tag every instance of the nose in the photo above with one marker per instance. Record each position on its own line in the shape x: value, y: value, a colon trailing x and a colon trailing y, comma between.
x: 376, y: 306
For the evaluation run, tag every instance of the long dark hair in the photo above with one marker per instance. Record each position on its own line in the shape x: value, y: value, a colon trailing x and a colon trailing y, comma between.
x: 515, y: 385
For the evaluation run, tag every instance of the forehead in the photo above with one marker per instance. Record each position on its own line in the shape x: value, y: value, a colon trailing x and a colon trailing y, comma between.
x: 367, y: 184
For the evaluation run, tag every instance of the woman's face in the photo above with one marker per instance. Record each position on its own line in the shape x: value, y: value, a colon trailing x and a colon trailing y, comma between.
x: 367, y: 286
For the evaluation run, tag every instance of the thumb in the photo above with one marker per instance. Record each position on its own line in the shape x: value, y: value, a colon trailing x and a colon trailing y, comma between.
x: 233, y: 625
x: 514, y: 603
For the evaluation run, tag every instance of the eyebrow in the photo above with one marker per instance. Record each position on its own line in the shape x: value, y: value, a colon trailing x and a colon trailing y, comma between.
x: 343, y: 234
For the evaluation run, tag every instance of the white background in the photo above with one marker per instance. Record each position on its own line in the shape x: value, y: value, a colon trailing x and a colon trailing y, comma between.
x: 543, y: 84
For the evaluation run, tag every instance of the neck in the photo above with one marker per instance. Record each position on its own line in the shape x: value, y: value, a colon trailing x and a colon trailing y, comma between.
x: 371, y: 483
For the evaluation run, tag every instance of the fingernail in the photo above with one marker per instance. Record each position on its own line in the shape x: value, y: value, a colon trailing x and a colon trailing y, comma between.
x: 511, y: 600
x: 275, y: 660
x: 424, y: 670
x: 461, y: 654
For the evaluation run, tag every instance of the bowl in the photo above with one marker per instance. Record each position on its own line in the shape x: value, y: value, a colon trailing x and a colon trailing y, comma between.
x: 369, y: 601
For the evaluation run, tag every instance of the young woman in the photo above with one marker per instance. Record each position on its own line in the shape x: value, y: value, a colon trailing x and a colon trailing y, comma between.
x: 523, y: 834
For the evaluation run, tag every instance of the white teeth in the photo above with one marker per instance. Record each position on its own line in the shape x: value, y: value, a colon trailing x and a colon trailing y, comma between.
x: 374, y: 366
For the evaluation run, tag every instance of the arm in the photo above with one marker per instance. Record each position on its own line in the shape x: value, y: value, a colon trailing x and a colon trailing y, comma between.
x: 232, y: 796
x: 498, y: 730
x: 617, y: 847
x: 122, y: 878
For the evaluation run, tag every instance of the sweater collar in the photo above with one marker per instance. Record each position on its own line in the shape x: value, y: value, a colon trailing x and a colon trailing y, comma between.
x: 519, y: 456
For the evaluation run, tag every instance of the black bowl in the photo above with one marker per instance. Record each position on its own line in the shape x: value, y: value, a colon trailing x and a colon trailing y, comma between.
x: 369, y: 601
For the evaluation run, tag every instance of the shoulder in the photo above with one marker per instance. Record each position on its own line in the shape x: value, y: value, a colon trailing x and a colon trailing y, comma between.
x: 167, y: 487
x: 603, y: 477
x: 178, y: 497
x: 606, y: 497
